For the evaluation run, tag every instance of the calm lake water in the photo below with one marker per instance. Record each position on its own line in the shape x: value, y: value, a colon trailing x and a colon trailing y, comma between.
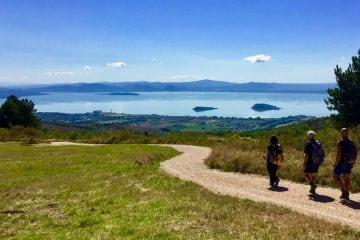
x: 182, y: 103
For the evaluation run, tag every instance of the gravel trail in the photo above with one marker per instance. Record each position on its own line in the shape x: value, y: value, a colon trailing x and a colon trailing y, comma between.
x: 189, y: 166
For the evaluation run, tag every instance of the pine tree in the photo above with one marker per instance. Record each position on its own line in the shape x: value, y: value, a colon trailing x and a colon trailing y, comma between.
x: 345, y: 98
x: 18, y: 112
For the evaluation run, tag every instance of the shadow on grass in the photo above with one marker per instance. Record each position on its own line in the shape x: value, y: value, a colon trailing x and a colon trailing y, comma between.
x: 12, y: 212
x: 321, y: 198
x: 351, y: 204
x: 278, y: 189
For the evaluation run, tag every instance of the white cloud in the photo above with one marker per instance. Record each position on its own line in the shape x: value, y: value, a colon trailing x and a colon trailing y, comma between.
x: 258, y: 58
x: 118, y: 64
x: 87, y: 68
x: 60, y: 74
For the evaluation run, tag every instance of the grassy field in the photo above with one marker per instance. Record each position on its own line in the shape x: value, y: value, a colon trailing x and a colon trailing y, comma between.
x: 118, y: 192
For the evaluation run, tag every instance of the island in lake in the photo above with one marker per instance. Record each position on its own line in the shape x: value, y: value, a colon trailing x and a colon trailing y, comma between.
x: 203, y: 109
x: 122, y: 94
x: 262, y: 107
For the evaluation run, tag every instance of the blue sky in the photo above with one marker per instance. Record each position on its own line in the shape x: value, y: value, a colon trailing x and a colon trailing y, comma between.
x: 48, y: 41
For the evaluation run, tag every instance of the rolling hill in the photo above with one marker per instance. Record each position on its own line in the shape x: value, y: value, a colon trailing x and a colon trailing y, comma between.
x: 194, y: 86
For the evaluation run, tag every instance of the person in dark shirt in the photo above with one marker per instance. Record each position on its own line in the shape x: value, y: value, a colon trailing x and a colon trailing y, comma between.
x: 311, y: 163
x: 345, y: 159
x: 271, y: 153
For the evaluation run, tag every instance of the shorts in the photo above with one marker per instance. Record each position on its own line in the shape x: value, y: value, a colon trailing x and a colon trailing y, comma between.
x: 342, y: 168
x: 311, y: 168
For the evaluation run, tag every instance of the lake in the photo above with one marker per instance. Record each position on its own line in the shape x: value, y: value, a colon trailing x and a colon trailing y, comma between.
x: 181, y: 103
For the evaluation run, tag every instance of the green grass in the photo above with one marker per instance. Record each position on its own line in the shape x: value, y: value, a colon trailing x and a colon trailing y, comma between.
x: 118, y: 192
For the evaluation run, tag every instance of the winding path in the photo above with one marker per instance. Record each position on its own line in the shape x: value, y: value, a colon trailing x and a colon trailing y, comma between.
x: 189, y: 166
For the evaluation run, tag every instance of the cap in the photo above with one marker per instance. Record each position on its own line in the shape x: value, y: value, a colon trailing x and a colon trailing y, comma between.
x: 311, y: 134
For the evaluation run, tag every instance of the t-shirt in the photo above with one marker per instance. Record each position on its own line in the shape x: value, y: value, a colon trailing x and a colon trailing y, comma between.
x: 273, y: 150
x: 308, y: 150
x: 346, y: 147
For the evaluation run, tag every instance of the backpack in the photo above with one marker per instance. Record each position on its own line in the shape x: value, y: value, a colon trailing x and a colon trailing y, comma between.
x: 278, y: 158
x: 317, y: 154
x: 349, y: 151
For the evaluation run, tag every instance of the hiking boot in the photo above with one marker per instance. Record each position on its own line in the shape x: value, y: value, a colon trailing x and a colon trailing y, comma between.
x: 345, y: 195
x: 277, y: 182
x: 313, y: 188
x: 271, y: 182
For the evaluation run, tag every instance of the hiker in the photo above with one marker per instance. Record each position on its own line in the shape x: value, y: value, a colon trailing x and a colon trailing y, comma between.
x: 345, y: 159
x: 273, y: 154
x: 314, y: 156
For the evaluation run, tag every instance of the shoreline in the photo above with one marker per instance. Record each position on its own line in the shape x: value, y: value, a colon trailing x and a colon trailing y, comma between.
x: 159, y: 123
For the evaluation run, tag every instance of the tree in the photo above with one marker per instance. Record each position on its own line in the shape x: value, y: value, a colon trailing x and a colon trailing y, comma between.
x: 345, y: 98
x: 20, y: 112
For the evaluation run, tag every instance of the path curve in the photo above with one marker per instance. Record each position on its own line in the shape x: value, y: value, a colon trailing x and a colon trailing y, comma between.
x: 190, y: 166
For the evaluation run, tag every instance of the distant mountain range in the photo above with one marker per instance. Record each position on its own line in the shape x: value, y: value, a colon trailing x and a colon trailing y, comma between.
x: 195, y: 86
x: 20, y: 92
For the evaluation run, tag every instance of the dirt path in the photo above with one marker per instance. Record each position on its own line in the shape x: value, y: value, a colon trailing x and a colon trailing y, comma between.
x: 66, y: 144
x: 190, y: 166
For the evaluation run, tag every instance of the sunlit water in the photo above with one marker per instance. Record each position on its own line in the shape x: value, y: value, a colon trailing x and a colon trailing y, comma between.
x: 182, y: 103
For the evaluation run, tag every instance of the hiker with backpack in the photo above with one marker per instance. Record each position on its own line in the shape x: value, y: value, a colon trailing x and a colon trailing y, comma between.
x: 274, y: 159
x: 345, y: 159
x: 314, y: 156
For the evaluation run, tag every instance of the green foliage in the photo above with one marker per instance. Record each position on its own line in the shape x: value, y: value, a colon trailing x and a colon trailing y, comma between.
x: 18, y: 112
x: 345, y: 99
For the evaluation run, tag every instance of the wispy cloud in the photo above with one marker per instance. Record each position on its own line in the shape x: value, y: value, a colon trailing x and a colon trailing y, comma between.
x: 87, y: 68
x: 184, y: 77
x: 118, y: 64
x: 258, y: 58
x: 60, y: 74
x: 157, y: 60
